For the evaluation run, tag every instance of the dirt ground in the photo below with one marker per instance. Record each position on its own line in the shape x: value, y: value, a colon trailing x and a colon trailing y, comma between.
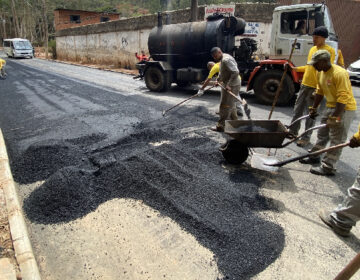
x: 6, y: 245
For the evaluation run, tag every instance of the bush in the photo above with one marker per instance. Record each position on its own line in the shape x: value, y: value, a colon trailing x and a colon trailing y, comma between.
x: 52, y: 48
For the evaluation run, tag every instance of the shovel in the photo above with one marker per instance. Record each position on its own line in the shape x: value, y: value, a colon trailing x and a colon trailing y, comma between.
x: 187, y: 99
x: 281, y: 163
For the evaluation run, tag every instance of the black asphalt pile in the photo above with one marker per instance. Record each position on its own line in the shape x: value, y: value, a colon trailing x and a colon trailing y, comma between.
x: 185, y: 181
x: 42, y: 159
x: 66, y: 195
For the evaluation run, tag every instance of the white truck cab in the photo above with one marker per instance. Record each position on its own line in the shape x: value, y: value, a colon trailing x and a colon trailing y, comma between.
x: 18, y: 47
x: 299, y: 21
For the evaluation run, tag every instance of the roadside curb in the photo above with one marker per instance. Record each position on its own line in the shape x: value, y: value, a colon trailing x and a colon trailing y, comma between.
x: 87, y: 66
x: 23, y: 250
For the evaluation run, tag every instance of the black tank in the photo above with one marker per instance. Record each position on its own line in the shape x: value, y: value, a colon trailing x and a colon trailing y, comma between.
x: 189, y: 44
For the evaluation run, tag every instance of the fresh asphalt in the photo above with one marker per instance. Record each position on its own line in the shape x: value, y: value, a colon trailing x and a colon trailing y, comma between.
x: 80, y: 137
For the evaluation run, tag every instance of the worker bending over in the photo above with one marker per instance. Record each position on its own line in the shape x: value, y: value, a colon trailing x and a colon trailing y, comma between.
x: 334, y: 84
x: 214, y: 69
x: 308, y: 85
x: 345, y: 216
x: 229, y: 77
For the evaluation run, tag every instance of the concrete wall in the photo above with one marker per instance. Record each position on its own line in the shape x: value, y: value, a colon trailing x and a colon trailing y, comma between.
x: 115, y: 42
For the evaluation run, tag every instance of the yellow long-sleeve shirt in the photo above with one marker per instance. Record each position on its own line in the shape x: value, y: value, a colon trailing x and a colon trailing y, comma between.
x: 214, y: 70
x: 336, y: 87
x: 357, y: 134
x: 309, y: 78
x: 340, y: 60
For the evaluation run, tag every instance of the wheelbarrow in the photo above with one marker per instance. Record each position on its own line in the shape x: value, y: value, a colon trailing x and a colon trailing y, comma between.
x: 248, y: 134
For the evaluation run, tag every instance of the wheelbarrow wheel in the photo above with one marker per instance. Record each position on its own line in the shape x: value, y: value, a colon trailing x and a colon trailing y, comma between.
x: 234, y: 152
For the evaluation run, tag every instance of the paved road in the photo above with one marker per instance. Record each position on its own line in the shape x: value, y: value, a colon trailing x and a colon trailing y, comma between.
x: 112, y: 190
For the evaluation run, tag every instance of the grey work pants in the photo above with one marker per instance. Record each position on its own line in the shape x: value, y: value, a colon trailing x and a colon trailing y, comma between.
x: 348, y: 213
x: 304, y: 100
x: 335, y: 136
x: 227, y: 110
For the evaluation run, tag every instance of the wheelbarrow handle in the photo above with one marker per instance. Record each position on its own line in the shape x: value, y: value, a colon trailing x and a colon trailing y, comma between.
x: 281, y: 163
x: 297, y: 120
x: 302, y: 134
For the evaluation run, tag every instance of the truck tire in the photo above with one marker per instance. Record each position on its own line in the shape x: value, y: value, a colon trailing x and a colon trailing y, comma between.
x: 266, y: 84
x: 156, y: 79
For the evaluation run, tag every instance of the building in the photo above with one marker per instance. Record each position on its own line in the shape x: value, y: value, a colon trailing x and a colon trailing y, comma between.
x: 345, y: 16
x: 64, y: 18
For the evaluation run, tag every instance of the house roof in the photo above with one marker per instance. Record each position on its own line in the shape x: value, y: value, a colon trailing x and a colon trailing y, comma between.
x: 106, y: 13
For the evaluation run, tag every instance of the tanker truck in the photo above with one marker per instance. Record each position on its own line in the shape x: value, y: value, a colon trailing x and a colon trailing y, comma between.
x: 180, y: 52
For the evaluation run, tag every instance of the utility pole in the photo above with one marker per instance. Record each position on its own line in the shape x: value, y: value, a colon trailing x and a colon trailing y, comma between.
x: 46, y: 31
x: 194, y: 10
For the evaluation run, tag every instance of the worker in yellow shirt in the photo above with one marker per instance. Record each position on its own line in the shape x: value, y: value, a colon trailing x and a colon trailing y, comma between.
x: 2, y: 68
x: 334, y: 84
x: 308, y: 85
x: 345, y: 216
x: 340, y: 60
x: 214, y: 69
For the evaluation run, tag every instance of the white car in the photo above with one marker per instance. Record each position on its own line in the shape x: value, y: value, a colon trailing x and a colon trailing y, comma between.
x: 354, y: 71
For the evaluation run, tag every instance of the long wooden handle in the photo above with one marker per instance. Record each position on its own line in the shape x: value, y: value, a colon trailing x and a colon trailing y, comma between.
x: 350, y: 269
x: 187, y: 99
x: 281, y: 163
x: 242, y: 101
x: 277, y: 94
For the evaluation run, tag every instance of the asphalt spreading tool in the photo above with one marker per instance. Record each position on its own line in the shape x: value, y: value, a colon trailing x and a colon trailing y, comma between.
x: 182, y: 102
x: 245, y: 106
x: 313, y: 154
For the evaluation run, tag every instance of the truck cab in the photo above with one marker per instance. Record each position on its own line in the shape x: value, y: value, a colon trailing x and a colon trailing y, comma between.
x: 289, y: 23
x: 299, y: 21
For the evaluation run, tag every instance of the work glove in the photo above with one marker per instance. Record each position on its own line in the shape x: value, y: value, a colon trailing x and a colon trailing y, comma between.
x: 354, y: 143
x: 200, y: 92
x: 313, y: 112
x: 333, y: 122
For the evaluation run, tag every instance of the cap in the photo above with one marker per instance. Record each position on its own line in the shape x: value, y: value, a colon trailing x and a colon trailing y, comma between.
x: 319, y: 55
x: 321, y: 31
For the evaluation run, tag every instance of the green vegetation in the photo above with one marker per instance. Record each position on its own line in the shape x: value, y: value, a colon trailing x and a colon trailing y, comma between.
x: 34, y: 19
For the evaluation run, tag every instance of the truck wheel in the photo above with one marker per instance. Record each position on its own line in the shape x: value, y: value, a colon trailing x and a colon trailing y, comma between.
x: 157, y: 80
x: 266, y: 84
x: 234, y: 152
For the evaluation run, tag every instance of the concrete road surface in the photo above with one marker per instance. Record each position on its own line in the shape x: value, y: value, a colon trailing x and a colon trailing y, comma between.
x: 113, y: 190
